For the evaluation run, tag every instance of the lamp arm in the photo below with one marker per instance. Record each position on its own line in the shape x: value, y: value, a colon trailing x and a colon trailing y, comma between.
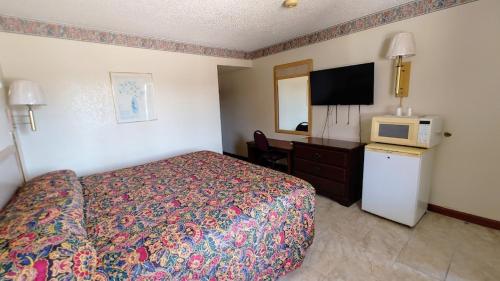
x: 32, y: 118
x: 20, y: 119
x: 399, y: 65
x: 18, y: 155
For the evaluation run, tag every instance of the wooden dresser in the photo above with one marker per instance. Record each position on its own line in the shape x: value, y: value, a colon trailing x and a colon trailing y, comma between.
x: 333, y: 167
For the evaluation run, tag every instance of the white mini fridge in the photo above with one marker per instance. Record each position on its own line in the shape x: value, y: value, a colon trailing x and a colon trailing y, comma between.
x: 396, y: 182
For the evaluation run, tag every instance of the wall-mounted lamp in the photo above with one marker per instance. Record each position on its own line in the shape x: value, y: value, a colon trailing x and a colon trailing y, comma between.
x: 402, y: 46
x: 27, y: 93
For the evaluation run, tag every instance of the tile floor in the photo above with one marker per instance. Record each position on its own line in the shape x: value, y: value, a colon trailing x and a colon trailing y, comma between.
x: 353, y: 245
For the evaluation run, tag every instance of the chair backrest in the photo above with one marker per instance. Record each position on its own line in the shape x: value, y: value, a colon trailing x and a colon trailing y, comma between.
x: 261, y: 141
x: 303, y: 127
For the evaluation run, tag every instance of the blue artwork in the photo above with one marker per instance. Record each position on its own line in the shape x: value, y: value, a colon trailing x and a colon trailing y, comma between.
x: 135, y: 107
x: 133, y: 96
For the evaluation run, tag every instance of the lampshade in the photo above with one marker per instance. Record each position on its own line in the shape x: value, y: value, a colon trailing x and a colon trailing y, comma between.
x: 402, y: 44
x: 25, y: 92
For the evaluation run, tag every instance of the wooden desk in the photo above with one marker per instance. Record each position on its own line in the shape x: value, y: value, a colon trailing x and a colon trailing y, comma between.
x: 278, y: 145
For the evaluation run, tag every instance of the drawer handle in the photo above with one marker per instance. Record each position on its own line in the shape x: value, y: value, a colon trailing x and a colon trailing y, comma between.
x: 317, y: 155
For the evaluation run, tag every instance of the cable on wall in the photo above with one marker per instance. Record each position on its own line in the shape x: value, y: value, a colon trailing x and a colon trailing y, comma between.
x: 328, y: 125
x: 348, y: 114
x: 326, y: 122
x: 336, y: 114
x: 359, y: 120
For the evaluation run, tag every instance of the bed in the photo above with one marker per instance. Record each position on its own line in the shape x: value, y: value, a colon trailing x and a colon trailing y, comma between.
x: 199, y: 216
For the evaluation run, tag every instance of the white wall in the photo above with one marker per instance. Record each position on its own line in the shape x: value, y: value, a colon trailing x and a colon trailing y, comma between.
x: 456, y: 74
x: 5, y: 127
x: 78, y: 129
x: 10, y: 173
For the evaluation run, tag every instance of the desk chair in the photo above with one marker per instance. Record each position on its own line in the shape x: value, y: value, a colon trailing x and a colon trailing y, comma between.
x: 302, y: 127
x: 266, y: 153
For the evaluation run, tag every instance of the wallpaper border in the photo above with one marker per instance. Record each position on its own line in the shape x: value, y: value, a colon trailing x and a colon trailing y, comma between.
x: 53, y: 30
x: 391, y: 15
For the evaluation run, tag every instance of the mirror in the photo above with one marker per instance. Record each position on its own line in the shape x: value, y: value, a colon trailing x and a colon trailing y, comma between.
x: 292, y: 98
x: 293, y: 102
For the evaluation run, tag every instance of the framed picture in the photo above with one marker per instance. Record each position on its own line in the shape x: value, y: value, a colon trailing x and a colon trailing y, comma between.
x: 133, y: 96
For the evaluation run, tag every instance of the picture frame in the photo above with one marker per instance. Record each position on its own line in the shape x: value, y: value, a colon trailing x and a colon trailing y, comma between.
x: 133, y: 95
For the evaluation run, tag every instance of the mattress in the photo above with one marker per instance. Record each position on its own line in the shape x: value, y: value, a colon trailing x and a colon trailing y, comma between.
x: 199, y: 216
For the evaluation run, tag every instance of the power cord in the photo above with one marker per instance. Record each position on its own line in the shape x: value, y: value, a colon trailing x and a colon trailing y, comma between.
x: 326, y: 121
x: 359, y: 120
x: 336, y: 114
x: 348, y: 114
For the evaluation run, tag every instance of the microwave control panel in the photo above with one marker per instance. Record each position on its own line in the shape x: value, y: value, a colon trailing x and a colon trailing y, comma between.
x: 424, y: 131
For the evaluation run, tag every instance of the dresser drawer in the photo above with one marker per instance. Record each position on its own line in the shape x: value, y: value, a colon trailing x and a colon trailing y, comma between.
x: 321, y: 170
x: 321, y: 155
x: 323, y: 186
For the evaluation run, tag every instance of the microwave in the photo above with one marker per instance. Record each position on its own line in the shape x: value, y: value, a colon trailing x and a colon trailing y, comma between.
x: 423, y: 132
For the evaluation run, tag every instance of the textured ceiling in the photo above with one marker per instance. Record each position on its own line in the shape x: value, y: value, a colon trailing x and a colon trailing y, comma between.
x: 244, y: 25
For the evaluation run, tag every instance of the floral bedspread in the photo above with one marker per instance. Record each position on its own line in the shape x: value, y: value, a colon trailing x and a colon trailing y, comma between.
x: 199, y: 216
x: 42, y: 235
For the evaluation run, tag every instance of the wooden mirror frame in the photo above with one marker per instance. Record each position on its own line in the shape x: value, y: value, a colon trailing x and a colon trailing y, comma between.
x: 292, y: 70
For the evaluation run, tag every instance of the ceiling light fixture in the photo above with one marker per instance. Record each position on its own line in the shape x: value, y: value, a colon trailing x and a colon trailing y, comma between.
x: 290, y: 3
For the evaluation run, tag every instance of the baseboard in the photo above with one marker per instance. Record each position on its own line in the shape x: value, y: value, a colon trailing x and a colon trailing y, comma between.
x: 235, y: 156
x: 464, y: 216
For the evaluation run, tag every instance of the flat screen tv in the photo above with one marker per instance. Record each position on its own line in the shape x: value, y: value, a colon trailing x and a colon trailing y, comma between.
x: 343, y: 85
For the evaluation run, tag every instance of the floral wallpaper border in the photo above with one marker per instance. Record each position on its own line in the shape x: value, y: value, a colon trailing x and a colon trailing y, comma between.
x: 409, y: 10
x: 406, y: 11
x: 60, y: 31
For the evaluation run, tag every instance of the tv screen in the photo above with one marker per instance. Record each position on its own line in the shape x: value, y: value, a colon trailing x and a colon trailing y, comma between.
x: 343, y: 85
